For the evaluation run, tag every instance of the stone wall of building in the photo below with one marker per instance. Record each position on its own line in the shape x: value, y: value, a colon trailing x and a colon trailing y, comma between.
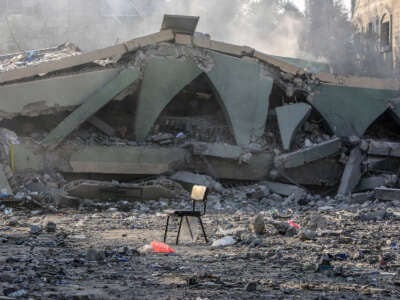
x: 381, y: 20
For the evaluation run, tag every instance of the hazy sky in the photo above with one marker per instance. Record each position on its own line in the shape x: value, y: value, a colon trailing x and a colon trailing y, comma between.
x: 301, y: 3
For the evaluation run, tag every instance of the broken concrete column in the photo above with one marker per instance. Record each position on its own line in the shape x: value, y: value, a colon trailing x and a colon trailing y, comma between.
x: 5, y: 187
x: 352, y: 172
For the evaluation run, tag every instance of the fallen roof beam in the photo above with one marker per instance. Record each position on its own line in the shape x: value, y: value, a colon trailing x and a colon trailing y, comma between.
x: 72, y: 61
x: 303, y: 156
x: 359, y: 82
x: 93, y: 104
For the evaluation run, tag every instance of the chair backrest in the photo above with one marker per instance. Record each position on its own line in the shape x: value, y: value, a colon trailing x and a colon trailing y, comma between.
x: 199, y: 194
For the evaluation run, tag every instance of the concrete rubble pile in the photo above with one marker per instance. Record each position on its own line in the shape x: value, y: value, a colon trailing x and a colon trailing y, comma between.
x: 302, y: 167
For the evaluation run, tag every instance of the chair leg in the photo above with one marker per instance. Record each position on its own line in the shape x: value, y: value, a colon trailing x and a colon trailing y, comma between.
x: 190, y: 229
x: 166, y: 230
x: 202, y: 228
x: 179, y: 231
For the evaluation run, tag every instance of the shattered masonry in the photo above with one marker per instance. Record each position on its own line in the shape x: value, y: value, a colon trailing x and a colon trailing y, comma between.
x: 172, y: 102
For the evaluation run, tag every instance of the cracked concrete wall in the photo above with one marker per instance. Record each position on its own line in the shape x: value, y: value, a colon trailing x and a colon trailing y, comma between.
x: 242, y: 87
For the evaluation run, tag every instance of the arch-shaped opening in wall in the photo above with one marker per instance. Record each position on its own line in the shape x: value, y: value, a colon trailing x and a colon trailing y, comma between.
x: 386, y: 32
x: 315, y: 129
x: 198, y: 113
x: 385, y: 127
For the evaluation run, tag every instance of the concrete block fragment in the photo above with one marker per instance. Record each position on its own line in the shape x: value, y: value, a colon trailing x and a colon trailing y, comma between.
x: 384, y: 148
x: 126, y: 160
x: 352, y: 172
x: 290, y: 119
x: 217, y: 150
x: 180, y: 24
x: 373, y: 182
x: 282, y: 188
x: 303, y: 156
x: 387, y: 194
x: 43, y: 96
x: 191, y: 178
x: 155, y: 38
x: 72, y: 61
x: 99, y: 159
x: 360, y: 198
x: 102, y: 126
x: 183, y: 39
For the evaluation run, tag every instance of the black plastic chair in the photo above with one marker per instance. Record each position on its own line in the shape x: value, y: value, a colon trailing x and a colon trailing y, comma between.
x: 199, y: 194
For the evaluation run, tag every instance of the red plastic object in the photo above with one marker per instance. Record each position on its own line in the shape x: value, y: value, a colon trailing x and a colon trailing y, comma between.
x: 159, y: 247
x: 293, y: 224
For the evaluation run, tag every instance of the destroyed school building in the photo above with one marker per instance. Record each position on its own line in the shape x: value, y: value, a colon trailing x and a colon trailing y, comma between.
x: 177, y: 103
x: 380, y: 19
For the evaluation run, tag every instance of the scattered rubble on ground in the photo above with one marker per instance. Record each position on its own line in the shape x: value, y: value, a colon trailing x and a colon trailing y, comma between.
x: 304, y: 192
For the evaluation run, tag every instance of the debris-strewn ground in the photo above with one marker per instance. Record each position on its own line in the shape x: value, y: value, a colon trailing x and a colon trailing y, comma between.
x: 343, y: 250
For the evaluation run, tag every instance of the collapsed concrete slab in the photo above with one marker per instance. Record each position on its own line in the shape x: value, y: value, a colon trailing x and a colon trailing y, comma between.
x: 387, y: 194
x: 218, y: 150
x: 257, y: 167
x: 98, y: 159
x: 99, y: 190
x: 373, y: 182
x: 77, y: 60
x: 350, y: 110
x: 324, y: 173
x: 352, y: 172
x: 304, y: 156
x: 290, y: 119
x: 93, y: 104
x: 283, y: 189
x: 50, y: 95
x: 196, y: 179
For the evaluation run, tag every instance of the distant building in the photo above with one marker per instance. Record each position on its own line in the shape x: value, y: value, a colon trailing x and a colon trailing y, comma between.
x: 380, y: 19
x: 29, y: 24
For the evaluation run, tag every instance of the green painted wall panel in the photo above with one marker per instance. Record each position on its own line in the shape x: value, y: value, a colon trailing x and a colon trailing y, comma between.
x: 348, y: 110
x: 244, y: 93
x: 163, y: 79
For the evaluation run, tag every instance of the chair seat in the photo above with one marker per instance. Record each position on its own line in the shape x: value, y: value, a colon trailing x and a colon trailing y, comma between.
x: 183, y: 213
